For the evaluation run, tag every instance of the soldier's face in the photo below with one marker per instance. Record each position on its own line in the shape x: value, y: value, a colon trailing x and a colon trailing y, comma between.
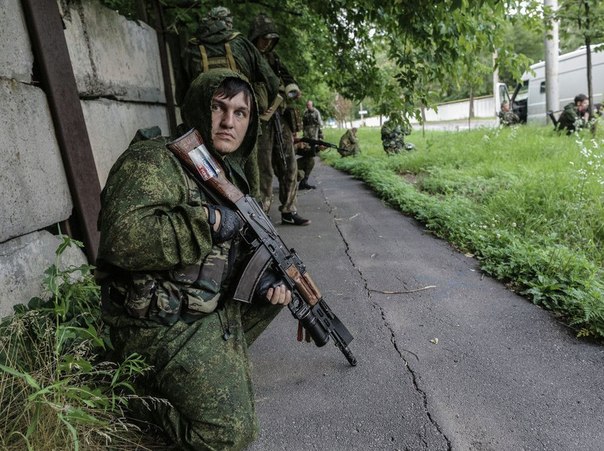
x: 230, y: 119
x: 263, y: 43
x: 582, y: 106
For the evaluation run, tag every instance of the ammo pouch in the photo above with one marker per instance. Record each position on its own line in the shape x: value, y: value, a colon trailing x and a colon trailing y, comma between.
x: 186, y: 293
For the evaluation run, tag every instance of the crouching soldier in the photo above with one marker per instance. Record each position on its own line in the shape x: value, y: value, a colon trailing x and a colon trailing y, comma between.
x: 393, y: 138
x: 167, y: 262
x: 349, y: 143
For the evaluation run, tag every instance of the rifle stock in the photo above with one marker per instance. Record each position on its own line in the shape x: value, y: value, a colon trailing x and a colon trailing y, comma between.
x: 307, y: 303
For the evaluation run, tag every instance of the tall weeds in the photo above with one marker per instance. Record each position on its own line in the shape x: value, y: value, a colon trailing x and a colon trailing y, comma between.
x: 56, y: 389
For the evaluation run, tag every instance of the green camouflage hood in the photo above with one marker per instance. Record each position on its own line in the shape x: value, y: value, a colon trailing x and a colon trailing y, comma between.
x: 262, y: 26
x: 197, y: 113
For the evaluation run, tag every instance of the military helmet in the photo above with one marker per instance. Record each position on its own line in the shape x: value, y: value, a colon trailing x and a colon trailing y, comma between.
x: 218, y: 18
x: 263, y: 26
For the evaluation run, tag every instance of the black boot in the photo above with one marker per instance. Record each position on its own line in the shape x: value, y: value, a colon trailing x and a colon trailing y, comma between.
x: 305, y: 185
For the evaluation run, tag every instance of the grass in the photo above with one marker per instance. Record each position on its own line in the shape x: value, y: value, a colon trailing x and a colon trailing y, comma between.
x: 57, y: 391
x: 528, y: 203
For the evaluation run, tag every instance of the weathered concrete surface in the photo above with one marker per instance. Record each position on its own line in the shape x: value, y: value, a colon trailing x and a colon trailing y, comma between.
x: 24, y: 261
x: 112, y: 56
x: 16, y: 59
x: 34, y: 190
x: 112, y: 125
x: 454, y: 360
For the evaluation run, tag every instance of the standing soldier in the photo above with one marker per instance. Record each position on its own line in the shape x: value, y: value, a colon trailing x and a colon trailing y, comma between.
x: 276, y: 144
x: 216, y: 46
x: 311, y: 123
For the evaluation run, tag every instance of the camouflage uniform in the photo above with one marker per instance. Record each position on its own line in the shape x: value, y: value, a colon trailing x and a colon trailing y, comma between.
x: 270, y: 159
x: 216, y: 45
x: 570, y: 120
x: 393, y: 137
x: 164, y: 285
x: 350, y: 142
x: 312, y: 123
x: 507, y: 118
x: 212, y: 39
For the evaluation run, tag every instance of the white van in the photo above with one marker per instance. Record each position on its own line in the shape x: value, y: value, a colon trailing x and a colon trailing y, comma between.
x: 529, y: 98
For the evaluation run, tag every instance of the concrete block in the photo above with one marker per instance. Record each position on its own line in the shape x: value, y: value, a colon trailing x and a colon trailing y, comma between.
x: 112, y: 125
x: 33, y: 185
x: 16, y: 59
x: 22, y: 265
x: 111, y: 55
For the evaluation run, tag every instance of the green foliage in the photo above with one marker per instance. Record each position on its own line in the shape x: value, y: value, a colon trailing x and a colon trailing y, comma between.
x: 582, y: 21
x: 339, y: 45
x: 525, y: 200
x: 56, y: 389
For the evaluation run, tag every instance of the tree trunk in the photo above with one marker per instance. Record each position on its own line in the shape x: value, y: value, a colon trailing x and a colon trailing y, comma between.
x: 588, y: 54
x: 587, y: 35
x: 496, y: 84
x: 552, y: 44
x: 471, y: 112
x: 423, y: 111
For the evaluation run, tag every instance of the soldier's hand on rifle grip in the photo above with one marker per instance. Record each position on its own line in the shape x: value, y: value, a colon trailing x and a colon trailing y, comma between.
x: 225, y: 223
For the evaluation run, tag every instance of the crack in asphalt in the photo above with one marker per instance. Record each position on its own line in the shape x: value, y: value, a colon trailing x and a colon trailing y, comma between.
x: 388, y: 326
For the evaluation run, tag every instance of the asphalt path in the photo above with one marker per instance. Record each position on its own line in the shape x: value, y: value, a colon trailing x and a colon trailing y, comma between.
x: 448, y: 359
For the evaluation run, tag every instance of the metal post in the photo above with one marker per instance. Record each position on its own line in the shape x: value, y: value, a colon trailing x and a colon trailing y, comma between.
x: 165, y: 66
x: 58, y: 82
x: 552, y: 43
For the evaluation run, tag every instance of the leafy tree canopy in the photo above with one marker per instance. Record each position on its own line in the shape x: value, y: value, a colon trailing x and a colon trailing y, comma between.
x: 400, y: 53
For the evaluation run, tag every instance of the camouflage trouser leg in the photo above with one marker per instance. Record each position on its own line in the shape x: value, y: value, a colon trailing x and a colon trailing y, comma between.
x: 286, y: 174
x: 265, y: 165
x: 306, y: 163
x: 205, y: 378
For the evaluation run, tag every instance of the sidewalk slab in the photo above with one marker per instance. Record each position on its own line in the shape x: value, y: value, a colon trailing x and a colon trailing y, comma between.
x: 453, y: 361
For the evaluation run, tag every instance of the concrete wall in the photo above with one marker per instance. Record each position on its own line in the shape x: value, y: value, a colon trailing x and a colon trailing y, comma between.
x: 118, y: 74
x: 450, y: 111
x: 112, y: 125
x: 484, y: 107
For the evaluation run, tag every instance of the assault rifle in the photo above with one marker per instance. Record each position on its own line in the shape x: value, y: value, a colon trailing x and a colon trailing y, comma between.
x: 307, y: 305
x: 316, y: 143
x: 279, y: 136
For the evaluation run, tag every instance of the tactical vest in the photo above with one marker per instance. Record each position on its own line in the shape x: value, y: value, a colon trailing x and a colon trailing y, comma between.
x: 183, y: 293
x: 310, y: 119
x: 219, y: 62
x: 228, y: 61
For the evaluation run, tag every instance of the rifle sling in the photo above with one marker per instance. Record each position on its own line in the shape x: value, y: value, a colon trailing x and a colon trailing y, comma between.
x: 258, y: 262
